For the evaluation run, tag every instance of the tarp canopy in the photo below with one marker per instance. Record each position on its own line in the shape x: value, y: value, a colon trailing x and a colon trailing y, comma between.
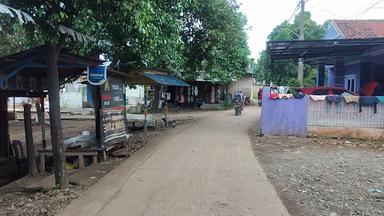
x: 166, y: 80
x: 321, y: 51
x: 155, y: 79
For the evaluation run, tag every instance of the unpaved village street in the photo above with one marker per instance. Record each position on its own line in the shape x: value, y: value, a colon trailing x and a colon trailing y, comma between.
x: 205, y: 168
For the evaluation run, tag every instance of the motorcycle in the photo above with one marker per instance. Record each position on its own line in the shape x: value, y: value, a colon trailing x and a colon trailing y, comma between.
x: 238, y: 107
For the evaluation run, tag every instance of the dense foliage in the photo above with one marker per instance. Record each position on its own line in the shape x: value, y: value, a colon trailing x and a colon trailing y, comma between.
x: 215, y: 40
x: 192, y: 39
x: 282, y: 72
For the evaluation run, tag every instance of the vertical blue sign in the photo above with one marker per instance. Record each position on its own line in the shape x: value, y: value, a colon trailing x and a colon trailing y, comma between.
x: 97, y: 75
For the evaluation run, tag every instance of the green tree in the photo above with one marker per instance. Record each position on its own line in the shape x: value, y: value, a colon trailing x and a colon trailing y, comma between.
x: 215, y: 40
x: 49, y: 15
x: 280, y: 72
x: 141, y: 33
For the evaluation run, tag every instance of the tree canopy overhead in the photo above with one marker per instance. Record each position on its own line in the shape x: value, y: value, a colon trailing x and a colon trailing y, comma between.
x: 284, y: 71
x: 204, y: 39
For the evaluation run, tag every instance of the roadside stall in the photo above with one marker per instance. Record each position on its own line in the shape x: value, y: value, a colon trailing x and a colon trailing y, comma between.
x: 158, y: 81
x: 24, y: 75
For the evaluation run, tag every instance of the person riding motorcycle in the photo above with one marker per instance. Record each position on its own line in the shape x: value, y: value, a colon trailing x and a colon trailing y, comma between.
x: 238, y: 101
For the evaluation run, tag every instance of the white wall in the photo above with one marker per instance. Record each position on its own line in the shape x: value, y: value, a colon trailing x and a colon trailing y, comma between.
x: 245, y: 84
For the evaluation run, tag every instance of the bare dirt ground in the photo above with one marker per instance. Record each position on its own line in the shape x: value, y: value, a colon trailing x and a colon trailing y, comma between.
x: 70, y: 128
x: 323, y: 176
x: 37, y: 196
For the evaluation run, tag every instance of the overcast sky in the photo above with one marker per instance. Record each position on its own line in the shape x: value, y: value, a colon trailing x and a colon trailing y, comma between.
x: 264, y: 15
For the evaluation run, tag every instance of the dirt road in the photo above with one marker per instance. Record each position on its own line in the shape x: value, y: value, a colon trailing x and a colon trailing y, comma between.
x: 205, y: 168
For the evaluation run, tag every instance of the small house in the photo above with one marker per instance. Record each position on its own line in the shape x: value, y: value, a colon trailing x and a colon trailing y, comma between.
x: 354, y: 72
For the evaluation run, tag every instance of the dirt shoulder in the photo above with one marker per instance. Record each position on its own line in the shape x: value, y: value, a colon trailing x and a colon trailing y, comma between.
x: 321, y: 176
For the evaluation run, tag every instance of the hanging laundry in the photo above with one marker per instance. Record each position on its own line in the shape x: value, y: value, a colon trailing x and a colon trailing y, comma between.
x: 285, y: 96
x: 333, y: 98
x: 380, y: 99
x: 299, y: 95
x: 273, y: 96
x: 368, y: 101
x: 351, y: 99
x: 317, y: 97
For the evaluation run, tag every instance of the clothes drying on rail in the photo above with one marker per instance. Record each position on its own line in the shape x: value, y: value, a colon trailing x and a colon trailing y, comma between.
x: 274, y: 96
x: 351, y: 99
x: 299, y: 95
x: 380, y: 99
x: 333, y: 98
x: 368, y: 101
x: 285, y: 96
x: 317, y: 97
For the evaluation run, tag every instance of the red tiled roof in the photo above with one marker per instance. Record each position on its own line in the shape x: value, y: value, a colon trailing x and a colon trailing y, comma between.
x: 357, y: 29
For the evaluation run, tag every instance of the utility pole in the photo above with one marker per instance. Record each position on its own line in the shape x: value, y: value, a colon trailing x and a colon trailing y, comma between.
x: 300, y: 74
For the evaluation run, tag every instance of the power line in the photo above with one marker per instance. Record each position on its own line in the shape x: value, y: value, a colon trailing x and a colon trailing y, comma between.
x: 324, y: 10
x: 294, y: 11
x: 298, y: 6
x: 369, y: 8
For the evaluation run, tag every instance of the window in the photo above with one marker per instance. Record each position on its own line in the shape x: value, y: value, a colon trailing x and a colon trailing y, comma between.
x: 350, y: 83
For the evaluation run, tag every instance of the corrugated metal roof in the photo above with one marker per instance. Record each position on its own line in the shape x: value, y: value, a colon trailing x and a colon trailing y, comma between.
x: 166, y: 80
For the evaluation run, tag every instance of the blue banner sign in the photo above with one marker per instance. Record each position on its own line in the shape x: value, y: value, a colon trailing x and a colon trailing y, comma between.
x: 97, y: 75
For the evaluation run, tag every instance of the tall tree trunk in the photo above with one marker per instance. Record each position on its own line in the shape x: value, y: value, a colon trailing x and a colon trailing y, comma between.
x: 55, y: 116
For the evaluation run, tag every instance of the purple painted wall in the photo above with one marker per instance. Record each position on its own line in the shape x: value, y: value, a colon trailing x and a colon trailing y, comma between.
x: 284, y: 117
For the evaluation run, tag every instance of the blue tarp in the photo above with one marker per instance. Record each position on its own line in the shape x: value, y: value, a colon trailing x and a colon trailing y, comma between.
x: 166, y: 80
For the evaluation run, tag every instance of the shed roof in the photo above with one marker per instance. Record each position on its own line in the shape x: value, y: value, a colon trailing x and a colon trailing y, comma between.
x: 321, y: 51
x: 154, y: 79
x: 34, y: 62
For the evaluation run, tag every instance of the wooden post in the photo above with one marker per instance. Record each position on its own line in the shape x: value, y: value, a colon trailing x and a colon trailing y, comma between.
x: 94, y: 159
x: 32, y: 167
x: 166, y: 108
x: 42, y: 162
x: 97, y: 107
x: 156, y: 99
x: 4, y: 130
x: 41, y: 118
x: 146, y: 110
x: 81, y: 161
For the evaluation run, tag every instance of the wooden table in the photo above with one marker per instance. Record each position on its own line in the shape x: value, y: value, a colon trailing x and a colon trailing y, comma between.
x: 69, y: 153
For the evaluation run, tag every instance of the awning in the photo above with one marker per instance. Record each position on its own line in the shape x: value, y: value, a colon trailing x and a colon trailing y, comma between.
x: 155, y: 79
x: 323, y: 51
x: 166, y: 80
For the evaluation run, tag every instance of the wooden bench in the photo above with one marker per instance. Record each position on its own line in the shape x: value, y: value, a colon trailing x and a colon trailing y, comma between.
x: 69, y: 153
